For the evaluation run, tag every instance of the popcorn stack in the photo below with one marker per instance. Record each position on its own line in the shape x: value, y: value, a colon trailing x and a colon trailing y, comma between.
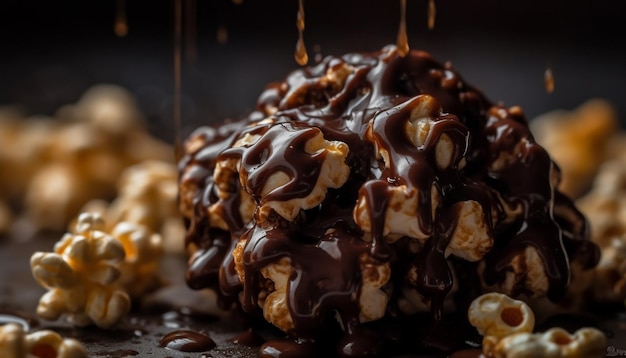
x: 371, y: 187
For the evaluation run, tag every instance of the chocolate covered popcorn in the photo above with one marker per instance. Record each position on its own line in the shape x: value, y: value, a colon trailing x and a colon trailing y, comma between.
x: 369, y: 188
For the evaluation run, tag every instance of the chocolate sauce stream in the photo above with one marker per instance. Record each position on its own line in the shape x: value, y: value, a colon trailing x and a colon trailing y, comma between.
x: 495, y: 162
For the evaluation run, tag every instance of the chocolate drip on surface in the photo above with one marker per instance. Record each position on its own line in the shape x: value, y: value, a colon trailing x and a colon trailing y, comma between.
x: 187, y: 341
x: 366, y: 101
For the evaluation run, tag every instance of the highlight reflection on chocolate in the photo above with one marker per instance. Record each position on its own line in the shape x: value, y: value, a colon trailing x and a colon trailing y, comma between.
x: 372, y: 187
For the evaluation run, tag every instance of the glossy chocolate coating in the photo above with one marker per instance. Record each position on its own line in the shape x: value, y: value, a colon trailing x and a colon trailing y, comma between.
x: 368, y: 111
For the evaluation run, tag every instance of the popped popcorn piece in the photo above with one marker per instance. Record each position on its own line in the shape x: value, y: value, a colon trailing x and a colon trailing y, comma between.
x: 147, y: 196
x: 274, y: 304
x: 81, y: 276
x: 15, y: 342
x: 497, y: 315
x: 577, y: 140
x: 402, y: 212
x: 54, y: 196
x: 472, y: 238
x: 333, y: 174
x: 325, y: 158
x: 275, y: 309
x: 139, y: 271
x: 401, y: 217
x: 555, y: 342
x: 226, y: 177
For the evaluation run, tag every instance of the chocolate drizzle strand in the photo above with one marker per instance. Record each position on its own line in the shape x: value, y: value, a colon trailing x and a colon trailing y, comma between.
x: 368, y: 191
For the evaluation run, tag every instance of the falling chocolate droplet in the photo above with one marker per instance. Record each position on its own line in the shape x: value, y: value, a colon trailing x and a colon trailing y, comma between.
x: 432, y: 12
x: 120, y: 27
x: 187, y: 341
x: 549, y: 79
x: 237, y: 2
x: 301, y: 56
x: 402, y: 42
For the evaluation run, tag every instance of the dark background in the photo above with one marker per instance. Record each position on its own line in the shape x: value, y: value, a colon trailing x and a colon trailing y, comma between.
x: 52, y: 51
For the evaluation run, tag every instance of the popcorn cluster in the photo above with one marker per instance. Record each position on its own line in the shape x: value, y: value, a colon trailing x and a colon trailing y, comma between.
x: 375, y: 186
x: 92, y: 274
x: 507, y: 325
x: 605, y: 206
x: 81, y: 276
x: 147, y: 195
x: 577, y: 140
x: 15, y: 342
x: 590, y: 150
x: 55, y: 165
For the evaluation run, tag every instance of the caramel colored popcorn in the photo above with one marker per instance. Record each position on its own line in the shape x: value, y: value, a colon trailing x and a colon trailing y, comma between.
x: 507, y: 325
x: 23, y: 144
x: 147, y: 196
x: 16, y: 343
x: 605, y: 207
x: 55, y: 194
x: 497, y: 315
x: 56, y: 165
x: 82, y: 276
x: 139, y: 271
x: 555, y: 342
x: 275, y: 309
x: 577, y: 140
